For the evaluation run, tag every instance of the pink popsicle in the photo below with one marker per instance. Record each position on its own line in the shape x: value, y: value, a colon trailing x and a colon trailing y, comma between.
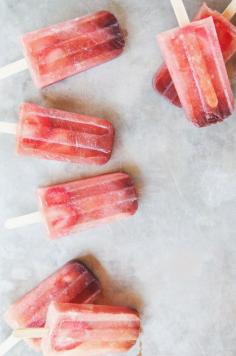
x: 226, y: 33
x: 89, y: 330
x: 64, y: 49
x: 84, y: 203
x: 64, y: 136
x: 194, y: 58
x: 71, y: 283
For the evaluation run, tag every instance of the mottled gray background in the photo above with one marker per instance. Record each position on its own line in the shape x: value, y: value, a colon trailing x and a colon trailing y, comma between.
x: 175, y: 261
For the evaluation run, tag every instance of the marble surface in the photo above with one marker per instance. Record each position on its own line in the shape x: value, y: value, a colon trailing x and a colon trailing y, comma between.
x: 175, y: 260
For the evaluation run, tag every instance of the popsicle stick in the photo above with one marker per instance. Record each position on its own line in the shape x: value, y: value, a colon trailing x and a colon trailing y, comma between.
x: 13, y: 68
x: 23, y: 220
x: 8, y: 128
x: 20, y: 334
x: 180, y: 12
x: 30, y: 333
x: 230, y: 10
x: 8, y: 344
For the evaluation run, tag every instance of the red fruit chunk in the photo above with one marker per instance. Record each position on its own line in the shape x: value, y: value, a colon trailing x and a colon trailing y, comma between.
x: 38, y: 127
x: 64, y: 218
x: 162, y: 82
x: 56, y: 196
x: 32, y: 144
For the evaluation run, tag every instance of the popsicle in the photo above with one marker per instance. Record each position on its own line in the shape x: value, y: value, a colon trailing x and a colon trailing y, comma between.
x: 73, y: 330
x: 226, y: 33
x: 71, y: 283
x: 60, y: 135
x: 59, y: 51
x: 195, y: 61
x: 82, y: 204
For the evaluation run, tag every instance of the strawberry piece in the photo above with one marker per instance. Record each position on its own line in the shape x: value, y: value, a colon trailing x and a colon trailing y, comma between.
x: 63, y: 219
x: 56, y: 196
x: 40, y: 125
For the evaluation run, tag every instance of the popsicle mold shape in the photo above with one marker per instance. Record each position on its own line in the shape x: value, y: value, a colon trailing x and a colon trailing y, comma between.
x: 82, y: 204
x: 59, y: 51
x: 89, y: 330
x: 63, y: 136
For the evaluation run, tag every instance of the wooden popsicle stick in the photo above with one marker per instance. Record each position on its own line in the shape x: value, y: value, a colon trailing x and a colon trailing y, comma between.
x: 20, y: 334
x: 23, y: 220
x: 230, y: 10
x: 8, y: 344
x: 8, y: 128
x: 13, y: 68
x: 30, y: 333
x: 180, y: 12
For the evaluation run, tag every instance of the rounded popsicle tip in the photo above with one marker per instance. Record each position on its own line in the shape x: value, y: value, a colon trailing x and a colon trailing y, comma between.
x: 162, y: 84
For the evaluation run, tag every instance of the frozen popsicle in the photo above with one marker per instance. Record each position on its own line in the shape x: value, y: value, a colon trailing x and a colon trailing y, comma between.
x: 195, y: 61
x: 60, y: 135
x: 82, y: 204
x: 73, y: 330
x: 59, y: 51
x: 72, y: 283
x: 226, y: 33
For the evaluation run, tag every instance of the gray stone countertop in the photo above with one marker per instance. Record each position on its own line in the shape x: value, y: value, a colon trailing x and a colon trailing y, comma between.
x: 175, y: 260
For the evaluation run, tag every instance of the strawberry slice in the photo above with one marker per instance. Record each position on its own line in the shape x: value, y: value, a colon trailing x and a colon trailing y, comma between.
x: 54, y: 60
x: 37, y: 126
x: 28, y: 142
x: 56, y: 196
x: 62, y: 219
